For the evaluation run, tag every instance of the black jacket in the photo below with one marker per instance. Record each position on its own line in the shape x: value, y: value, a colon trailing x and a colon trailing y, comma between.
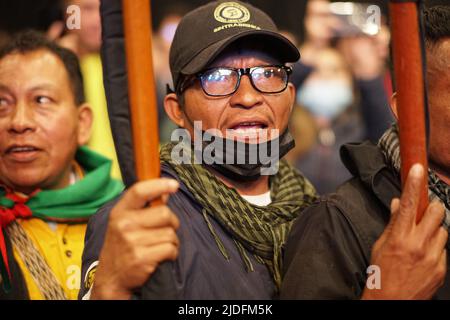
x: 200, y: 271
x: 329, y: 248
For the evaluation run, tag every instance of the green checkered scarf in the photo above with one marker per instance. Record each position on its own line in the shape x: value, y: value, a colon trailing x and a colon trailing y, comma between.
x: 262, y: 231
x: 437, y: 189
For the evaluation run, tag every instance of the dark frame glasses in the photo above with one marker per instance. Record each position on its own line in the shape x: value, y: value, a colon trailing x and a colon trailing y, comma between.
x: 261, y: 78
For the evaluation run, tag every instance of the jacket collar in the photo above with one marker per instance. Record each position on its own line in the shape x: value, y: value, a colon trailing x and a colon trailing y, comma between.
x: 366, y: 162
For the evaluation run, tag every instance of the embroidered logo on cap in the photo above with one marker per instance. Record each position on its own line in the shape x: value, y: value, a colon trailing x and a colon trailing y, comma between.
x: 231, y: 12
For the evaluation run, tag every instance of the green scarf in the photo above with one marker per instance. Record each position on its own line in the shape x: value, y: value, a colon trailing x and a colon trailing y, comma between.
x: 260, y: 230
x: 82, y: 199
x: 75, y: 203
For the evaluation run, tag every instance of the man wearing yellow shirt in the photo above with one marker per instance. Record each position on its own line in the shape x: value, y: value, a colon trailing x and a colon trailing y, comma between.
x: 49, y: 183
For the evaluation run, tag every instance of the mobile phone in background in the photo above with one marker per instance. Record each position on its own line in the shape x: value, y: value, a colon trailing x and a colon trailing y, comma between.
x: 356, y: 19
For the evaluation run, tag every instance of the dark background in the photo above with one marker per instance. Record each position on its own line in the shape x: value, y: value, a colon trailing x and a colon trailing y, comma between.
x: 288, y: 14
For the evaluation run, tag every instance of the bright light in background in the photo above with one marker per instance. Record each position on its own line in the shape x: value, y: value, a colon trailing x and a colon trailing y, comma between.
x: 371, y: 29
x: 358, y: 17
x: 342, y: 8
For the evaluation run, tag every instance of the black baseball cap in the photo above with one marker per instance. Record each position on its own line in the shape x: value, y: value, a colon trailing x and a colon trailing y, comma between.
x: 206, y: 31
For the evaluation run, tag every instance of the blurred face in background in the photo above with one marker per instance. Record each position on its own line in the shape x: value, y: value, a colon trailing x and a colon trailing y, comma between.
x: 319, y: 22
x: 89, y: 35
x: 166, y: 31
x: 328, y: 91
x: 382, y: 40
x: 161, y: 48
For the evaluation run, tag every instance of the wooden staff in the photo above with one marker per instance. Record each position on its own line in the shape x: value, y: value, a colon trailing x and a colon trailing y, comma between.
x: 141, y: 87
x: 409, y: 75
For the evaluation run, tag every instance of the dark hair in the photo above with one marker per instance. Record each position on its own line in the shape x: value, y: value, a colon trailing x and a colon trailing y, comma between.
x: 436, y: 21
x: 437, y: 25
x: 30, y: 41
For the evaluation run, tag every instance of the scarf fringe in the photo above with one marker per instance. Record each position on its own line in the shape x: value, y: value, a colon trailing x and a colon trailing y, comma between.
x: 248, y: 264
x: 216, y: 236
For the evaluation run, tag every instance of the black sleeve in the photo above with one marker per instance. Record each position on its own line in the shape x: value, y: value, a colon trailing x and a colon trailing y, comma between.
x: 115, y: 80
x: 374, y: 107
x: 162, y: 285
x: 323, y: 257
x: 168, y: 282
x: 93, y: 243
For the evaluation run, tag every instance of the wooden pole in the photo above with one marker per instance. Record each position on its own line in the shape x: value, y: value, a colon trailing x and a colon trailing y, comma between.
x: 410, y: 87
x: 141, y: 87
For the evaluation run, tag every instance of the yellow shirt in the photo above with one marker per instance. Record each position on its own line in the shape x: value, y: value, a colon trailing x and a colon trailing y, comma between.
x: 101, y: 137
x: 61, y: 248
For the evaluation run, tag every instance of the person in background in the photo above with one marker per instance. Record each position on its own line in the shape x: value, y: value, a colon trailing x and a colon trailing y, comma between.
x: 304, y: 130
x: 328, y: 94
x: 366, y: 54
x: 367, y: 58
x: 86, y: 43
x: 50, y: 183
x: 162, y: 39
x: 344, y: 90
x: 320, y: 26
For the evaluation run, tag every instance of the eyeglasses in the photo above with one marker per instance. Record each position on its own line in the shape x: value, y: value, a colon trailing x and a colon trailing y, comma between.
x: 223, y: 81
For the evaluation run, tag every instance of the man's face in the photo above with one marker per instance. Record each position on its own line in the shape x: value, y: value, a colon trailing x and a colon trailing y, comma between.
x: 39, y: 122
x: 245, y: 112
x: 439, y: 103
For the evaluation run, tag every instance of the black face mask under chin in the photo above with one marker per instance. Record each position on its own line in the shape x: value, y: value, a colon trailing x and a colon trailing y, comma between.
x: 244, y: 162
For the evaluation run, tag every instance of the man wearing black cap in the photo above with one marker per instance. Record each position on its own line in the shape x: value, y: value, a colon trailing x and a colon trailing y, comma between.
x: 232, y: 203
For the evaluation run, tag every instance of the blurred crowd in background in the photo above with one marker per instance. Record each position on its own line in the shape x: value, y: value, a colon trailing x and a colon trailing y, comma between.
x: 343, y: 79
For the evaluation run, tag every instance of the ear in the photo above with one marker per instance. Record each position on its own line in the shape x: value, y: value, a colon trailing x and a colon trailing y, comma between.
x: 293, y: 93
x: 393, y: 105
x: 85, y: 118
x: 174, y: 109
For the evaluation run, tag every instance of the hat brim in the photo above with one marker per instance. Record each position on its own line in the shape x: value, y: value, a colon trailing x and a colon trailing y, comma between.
x: 285, y: 50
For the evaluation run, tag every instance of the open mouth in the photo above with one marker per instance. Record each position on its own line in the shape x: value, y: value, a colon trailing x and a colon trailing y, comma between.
x: 249, y: 127
x: 21, y: 149
x: 22, y: 153
x: 249, y: 131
